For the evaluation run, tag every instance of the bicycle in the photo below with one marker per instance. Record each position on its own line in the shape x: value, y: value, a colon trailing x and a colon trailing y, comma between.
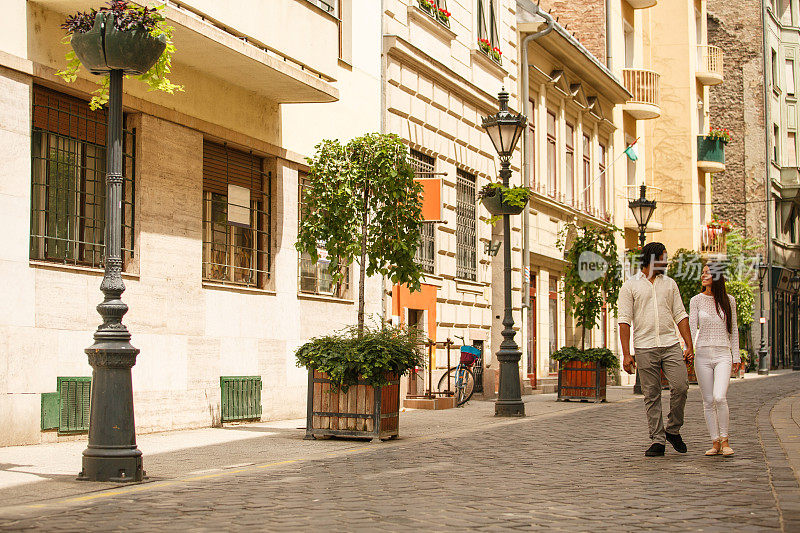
x: 461, y: 376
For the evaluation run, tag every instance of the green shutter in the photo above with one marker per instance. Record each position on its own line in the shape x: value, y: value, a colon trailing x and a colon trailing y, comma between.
x: 50, y: 410
x: 74, y: 400
x: 241, y: 397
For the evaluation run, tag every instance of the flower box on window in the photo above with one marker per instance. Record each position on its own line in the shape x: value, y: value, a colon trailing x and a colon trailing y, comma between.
x: 437, y: 13
x: 492, y: 51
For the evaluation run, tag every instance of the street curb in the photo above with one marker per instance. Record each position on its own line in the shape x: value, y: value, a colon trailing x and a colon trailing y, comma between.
x: 782, y: 478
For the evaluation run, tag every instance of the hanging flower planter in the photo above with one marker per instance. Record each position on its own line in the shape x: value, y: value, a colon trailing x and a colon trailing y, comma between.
x: 105, y: 47
x: 501, y: 200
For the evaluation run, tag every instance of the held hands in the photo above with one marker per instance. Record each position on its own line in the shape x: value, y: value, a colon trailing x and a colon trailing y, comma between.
x: 629, y: 363
x: 688, y: 355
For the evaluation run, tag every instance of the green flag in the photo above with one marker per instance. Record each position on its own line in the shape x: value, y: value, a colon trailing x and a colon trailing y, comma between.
x: 630, y: 151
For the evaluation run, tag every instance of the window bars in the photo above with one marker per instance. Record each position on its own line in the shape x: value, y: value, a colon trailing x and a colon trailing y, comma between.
x: 68, y: 165
x: 466, y: 235
x: 237, y: 217
x: 315, y: 278
x: 423, y: 166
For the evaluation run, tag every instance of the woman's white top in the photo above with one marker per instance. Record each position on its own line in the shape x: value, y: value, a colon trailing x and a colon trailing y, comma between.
x: 708, y: 325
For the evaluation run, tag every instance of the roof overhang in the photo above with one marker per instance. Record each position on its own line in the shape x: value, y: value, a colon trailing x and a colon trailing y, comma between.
x: 219, y: 52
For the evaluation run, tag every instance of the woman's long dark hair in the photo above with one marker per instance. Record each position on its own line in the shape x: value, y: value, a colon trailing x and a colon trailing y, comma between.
x: 721, y: 300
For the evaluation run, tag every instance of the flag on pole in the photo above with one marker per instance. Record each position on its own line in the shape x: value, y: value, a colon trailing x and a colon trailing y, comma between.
x: 630, y: 151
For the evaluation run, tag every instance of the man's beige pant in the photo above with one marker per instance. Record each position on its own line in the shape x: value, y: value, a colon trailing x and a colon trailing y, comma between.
x: 650, y: 362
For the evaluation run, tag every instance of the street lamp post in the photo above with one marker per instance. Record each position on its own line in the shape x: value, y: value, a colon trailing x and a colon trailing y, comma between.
x: 504, y: 129
x: 795, y: 329
x: 112, y: 454
x: 763, y: 361
x: 642, y: 209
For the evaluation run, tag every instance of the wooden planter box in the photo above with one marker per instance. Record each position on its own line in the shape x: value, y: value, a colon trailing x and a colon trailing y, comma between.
x: 362, y: 411
x: 579, y: 380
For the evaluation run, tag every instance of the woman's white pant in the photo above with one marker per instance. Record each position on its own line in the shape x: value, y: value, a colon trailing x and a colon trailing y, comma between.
x: 713, y: 368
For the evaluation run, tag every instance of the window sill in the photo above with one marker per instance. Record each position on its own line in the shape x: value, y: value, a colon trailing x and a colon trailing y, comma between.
x: 473, y: 287
x: 416, y: 14
x: 75, y: 268
x: 237, y: 288
x: 487, y: 62
x: 433, y: 280
x: 324, y: 298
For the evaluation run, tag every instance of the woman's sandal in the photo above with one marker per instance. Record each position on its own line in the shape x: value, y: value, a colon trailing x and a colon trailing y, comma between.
x: 715, y: 450
x: 727, y: 451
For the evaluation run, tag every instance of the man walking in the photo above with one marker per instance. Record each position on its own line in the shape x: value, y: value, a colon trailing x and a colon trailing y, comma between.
x: 651, y: 303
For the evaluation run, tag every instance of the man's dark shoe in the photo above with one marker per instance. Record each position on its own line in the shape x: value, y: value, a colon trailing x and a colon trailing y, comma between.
x: 677, y: 442
x: 655, y: 450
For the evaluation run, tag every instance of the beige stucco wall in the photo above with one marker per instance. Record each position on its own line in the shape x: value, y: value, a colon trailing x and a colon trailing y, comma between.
x: 189, y: 333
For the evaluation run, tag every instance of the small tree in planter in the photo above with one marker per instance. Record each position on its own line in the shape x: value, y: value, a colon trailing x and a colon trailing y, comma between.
x: 362, y: 204
x: 354, y: 380
x: 123, y: 36
x: 593, y: 276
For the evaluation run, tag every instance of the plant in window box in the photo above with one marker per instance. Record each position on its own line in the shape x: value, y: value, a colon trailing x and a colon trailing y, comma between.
x: 501, y: 200
x: 592, y: 279
x: 719, y: 134
x: 485, y: 45
x: 124, y: 36
x: 428, y: 6
x: 354, y: 380
x: 443, y: 16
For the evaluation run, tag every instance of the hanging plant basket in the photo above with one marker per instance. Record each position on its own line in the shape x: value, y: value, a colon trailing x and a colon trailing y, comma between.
x: 494, y: 200
x: 105, y: 48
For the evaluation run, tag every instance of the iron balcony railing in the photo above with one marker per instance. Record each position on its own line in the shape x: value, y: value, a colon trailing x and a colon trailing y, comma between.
x: 710, y: 66
x: 712, y: 240
x: 643, y: 85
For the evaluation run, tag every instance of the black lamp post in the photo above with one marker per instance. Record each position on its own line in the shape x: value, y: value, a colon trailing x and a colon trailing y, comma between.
x: 763, y: 361
x: 795, y: 281
x: 642, y: 210
x: 505, y: 129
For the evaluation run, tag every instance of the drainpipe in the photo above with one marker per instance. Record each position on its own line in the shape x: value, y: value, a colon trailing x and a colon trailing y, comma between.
x: 609, y: 48
x: 764, y: 369
x: 526, y: 168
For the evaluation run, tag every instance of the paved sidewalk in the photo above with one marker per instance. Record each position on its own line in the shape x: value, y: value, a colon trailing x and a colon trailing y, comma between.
x: 570, y: 467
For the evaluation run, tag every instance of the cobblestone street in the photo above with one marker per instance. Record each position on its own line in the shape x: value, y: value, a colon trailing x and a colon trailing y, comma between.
x: 575, y: 470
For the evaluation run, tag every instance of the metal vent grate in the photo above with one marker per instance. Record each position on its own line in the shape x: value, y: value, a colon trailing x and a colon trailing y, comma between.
x: 241, y: 397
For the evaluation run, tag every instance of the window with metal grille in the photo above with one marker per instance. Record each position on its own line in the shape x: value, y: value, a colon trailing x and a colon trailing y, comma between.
x: 466, y: 236
x: 587, y: 173
x: 570, y: 170
x: 602, y: 180
x: 425, y: 256
x: 68, y: 165
x: 237, y: 217
x: 552, y: 155
x: 315, y: 278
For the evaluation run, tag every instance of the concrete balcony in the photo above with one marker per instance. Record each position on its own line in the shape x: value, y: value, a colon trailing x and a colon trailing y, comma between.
x: 710, y: 154
x: 644, y: 85
x: 712, y: 241
x: 632, y: 192
x: 709, y: 64
x: 642, y: 4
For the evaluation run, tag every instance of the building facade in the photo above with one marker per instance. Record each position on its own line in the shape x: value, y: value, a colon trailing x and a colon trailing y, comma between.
x: 213, y: 182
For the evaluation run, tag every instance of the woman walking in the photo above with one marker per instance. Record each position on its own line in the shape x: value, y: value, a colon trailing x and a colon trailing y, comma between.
x: 712, y: 320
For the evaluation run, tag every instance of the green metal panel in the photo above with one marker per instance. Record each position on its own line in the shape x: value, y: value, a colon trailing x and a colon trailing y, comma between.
x: 241, y: 397
x: 74, y: 399
x: 710, y: 149
x: 50, y: 410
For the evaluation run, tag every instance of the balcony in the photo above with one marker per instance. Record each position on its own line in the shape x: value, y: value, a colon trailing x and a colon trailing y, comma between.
x: 644, y: 86
x: 653, y: 193
x: 710, y: 154
x: 709, y: 64
x: 642, y: 4
x: 712, y: 241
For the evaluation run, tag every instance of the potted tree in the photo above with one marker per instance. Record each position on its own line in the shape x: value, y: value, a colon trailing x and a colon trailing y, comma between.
x: 362, y: 205
x: 592, y: 277
x: 121, y: 36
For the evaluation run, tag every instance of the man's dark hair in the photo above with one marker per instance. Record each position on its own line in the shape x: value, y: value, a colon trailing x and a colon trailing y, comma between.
x: 652, y: 251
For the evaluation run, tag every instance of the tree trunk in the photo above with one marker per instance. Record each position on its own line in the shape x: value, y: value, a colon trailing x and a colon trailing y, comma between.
x: 363, y: 265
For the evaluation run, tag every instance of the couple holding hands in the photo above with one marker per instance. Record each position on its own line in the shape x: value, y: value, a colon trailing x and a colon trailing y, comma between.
x: 651, y: 304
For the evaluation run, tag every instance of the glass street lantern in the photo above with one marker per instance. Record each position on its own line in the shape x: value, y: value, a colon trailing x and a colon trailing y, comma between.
x: 504, y: 128
x: 642, y: 209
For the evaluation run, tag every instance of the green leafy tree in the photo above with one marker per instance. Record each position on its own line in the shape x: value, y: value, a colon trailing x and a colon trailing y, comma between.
x: 584, y: 294
x: 363, y: 204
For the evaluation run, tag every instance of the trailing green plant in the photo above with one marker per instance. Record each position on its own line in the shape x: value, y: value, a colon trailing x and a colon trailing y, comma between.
x: 349, y: 356
x: 602, y: 356
x: 127, y: 17
x: 362, y: 203
x: 586, y: 292
x: 516, y: 196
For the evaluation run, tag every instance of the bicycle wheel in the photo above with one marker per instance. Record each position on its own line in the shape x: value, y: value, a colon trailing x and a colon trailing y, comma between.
x: 462, y: 383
